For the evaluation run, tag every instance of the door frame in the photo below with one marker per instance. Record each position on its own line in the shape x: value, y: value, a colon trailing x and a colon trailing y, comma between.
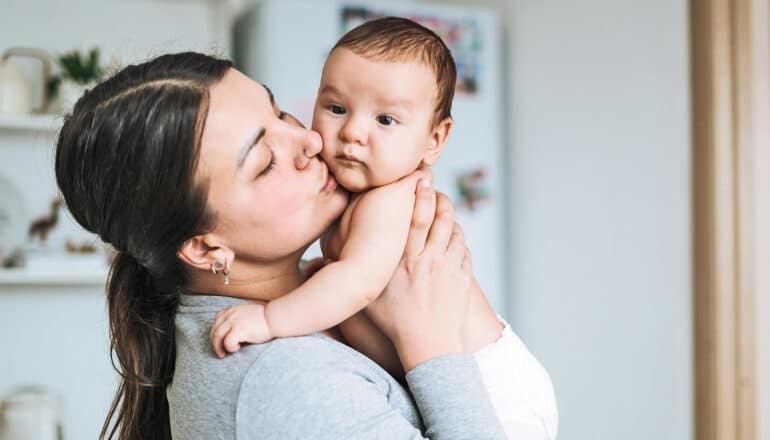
x: 731, y: 252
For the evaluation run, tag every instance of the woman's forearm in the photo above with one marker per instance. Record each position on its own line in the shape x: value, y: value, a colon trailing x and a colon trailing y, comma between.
x: 420, y: 348
x: 452, y: 400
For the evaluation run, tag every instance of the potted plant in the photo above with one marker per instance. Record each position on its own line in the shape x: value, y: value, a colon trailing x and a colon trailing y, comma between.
x: 78, y: 73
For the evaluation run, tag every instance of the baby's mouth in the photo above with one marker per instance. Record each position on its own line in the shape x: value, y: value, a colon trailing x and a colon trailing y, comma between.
x: 349, y: 161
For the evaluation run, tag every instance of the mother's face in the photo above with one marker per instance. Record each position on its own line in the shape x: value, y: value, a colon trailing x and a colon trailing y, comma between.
x: 271, y: 194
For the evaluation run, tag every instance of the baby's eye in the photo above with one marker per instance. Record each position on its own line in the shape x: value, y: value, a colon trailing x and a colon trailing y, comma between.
x: 386, y: 120
x: 337, y: 109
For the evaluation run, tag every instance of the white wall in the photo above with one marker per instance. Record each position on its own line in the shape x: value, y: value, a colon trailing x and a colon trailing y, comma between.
x: 600, y: 209
x: 131, y: 29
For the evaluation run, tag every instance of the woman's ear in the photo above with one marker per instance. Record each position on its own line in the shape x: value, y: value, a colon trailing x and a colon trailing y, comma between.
x: 437, y: 140
x: 203, y: 251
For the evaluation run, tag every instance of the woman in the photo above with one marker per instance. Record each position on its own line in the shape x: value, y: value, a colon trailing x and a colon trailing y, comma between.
x: 211, y: 195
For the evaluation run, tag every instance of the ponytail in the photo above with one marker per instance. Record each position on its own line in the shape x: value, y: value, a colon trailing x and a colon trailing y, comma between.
x: 126, y: 161
x: 142, y: 337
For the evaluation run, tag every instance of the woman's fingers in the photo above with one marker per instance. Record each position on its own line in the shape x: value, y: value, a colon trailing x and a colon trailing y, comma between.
x: 422, y: 217
x: 456, y: 249
x: 467, y: 264
x: 441, y: 230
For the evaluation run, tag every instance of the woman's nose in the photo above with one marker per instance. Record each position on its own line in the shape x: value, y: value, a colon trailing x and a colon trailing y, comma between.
x: 353, y: 132
x: 310, y: 146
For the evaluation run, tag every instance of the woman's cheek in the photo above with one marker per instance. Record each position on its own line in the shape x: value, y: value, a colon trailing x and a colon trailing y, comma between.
x: 286, y: 199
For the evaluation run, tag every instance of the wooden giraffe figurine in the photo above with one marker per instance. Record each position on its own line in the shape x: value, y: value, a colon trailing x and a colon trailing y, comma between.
x: 42, y: 225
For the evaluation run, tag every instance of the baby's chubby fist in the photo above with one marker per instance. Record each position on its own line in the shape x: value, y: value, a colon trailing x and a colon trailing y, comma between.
x: 233, y: 326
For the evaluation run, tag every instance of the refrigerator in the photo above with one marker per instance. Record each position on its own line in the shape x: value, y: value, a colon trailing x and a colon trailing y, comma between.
x: 284, y: 43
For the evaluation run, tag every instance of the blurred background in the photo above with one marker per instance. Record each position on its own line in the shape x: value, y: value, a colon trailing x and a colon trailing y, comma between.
x: 570, y: 165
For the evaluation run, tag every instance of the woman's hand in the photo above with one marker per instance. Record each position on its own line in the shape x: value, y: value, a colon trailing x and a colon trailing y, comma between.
x: 422, y: 310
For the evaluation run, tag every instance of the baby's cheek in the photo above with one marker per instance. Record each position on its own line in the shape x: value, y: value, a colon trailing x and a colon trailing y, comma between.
x: 352, y: 179
x: 328, y: 150
x: 390, y: 170
x: 327, y: 154
x: 327, y: 131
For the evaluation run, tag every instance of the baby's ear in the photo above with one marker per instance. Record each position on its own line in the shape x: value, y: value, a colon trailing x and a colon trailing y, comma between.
x: 438, y: 137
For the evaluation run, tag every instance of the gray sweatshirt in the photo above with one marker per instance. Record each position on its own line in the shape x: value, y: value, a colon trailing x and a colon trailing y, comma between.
x: 313, y: 387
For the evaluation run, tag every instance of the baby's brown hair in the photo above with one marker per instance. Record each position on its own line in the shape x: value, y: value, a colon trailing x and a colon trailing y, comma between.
x: 399, y: 39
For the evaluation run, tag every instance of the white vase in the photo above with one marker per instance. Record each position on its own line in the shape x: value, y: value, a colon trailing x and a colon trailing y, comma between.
x: 70, y: 92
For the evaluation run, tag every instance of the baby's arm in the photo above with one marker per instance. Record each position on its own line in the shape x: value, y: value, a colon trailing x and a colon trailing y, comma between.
x: 378, y: 230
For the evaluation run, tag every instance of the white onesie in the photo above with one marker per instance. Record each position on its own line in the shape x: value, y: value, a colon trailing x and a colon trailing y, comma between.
x: 519, y: 387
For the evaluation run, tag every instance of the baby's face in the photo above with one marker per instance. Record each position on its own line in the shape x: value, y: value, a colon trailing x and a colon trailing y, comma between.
x: 375, y: 118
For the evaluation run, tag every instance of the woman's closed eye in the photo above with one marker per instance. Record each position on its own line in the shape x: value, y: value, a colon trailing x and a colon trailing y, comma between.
x: 270, y: 165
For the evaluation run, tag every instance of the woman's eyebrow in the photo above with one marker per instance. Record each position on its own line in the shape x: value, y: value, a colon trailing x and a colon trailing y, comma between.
x: 247, y: 146
x: 253, y: 140
x: 269, y: 93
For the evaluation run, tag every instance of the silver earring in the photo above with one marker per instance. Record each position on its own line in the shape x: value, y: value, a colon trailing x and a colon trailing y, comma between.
x: 227, y: 277
x: 216, y: 267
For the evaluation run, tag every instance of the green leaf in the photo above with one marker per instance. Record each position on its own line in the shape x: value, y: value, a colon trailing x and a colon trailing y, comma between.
x: 81, y: 69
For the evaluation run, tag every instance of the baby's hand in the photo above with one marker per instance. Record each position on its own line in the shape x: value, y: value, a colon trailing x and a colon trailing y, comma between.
x: 238, y: 324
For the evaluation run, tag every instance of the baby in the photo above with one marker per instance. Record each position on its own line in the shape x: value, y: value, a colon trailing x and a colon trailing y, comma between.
x: 383, y: 111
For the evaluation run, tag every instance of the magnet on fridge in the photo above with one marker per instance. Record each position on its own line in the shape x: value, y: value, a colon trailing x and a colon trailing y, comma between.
x: 473, y: 188
x: 461, y: 35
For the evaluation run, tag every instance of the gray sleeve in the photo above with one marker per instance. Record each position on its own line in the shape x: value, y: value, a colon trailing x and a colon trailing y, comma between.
x: 330, y: 401
x: 452, y: 399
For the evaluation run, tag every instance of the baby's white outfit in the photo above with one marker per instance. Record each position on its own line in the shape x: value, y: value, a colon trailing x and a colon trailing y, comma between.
x: 519, y: 387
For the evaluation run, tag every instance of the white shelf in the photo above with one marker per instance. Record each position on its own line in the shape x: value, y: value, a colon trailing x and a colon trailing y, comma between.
x: 40, y: 123
x: 27, y: 277
x: 57, y: 270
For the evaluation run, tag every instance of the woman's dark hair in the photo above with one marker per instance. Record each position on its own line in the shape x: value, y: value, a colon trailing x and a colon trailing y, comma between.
x: 125, y: 164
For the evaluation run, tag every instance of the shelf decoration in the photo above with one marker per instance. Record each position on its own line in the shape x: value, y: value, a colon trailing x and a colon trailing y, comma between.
x: 39, y: 227
x: 79, y: 72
